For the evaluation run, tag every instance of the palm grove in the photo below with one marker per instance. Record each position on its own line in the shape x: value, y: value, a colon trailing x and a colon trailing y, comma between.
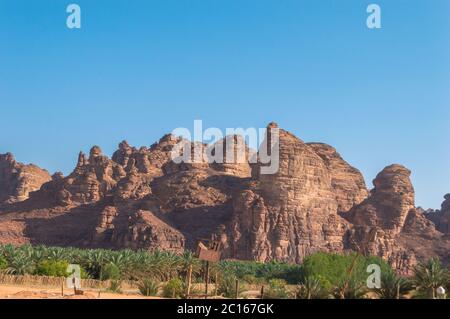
x: 320, y: 276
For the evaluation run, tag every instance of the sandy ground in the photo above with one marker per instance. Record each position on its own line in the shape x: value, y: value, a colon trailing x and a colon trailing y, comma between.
x: 23, y: 292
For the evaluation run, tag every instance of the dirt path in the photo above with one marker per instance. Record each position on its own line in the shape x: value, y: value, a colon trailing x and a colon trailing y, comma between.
x: 24, y: 292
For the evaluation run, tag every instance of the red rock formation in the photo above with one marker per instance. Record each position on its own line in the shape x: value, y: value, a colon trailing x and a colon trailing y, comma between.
x: 17, y: 180
x: 387, y: 223
x: 390, y: 200
x: 290, y: 214
x: 140, y: 198
x: 347, y: 182
x: 92, y: 179
x: 234, y: 157
x: 442, y: 217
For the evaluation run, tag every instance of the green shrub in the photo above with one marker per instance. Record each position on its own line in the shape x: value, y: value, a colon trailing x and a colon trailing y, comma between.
x: 252, y: 280
x: 3, y: 263
x: 312, y: 288
x: 227, y: 284
x: 174, y: 288
x: 277, y: 289
x: 334, y: 268
x: 263, y: 272
x: 148, y: 287
x: 353, y: 289
x: 110, y: 271
x: 84, y: 274
x: 52, y: 268
x: 393, y: 286
x: 428, y: 276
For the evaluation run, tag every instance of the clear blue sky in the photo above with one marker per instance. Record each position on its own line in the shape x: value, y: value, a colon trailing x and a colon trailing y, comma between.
x: 139, y: 69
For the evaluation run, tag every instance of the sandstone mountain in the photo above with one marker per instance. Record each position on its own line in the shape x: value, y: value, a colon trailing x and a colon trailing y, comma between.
x: 441, y: 218
x: 18, y: 180
x: 141, y: 199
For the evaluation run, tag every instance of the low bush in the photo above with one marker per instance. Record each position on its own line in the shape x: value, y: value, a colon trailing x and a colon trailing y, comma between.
x: 312, y: 288
x: 335, y: 268
x: 227, y: 284
x: 263, y: 272
x: 3, y: 263
x: 393, y: 286
x: 277, y: 289
x: 174, y: 288
x: 110, y: 271
x: 148, y: 287
x: 52, y: 268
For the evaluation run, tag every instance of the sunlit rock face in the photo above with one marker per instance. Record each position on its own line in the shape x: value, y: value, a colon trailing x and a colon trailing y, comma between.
x: 18, y: 180
x: 141, y: 199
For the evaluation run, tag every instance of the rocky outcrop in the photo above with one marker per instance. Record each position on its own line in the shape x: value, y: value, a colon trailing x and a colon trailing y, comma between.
x: 347, y: 182
x: 141, y: 230
x: 142, y: 199
x: 290, y: 214
x: 17, y: 180
x: 93, y: 178
x: 389, y: 225
x: 234, y: 157
x: 441, y: 218
x: 389, y: 203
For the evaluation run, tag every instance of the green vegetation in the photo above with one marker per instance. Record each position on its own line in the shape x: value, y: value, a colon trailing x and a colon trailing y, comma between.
x: 313, y: 288
x: 320, y: 276
x: 227, y: 283
x: 428, y: 277
x: 393, y: 286
x: 174, y: 288
x: 3, y: 263
x: 333, y: 269
x: 148, y: 287
x: 52, y: 268
x: 277, y: 289
x: 243, y: 270
x: 111, y: 271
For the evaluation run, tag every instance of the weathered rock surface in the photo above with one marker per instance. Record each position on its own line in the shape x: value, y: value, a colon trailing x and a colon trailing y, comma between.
x: 141, y: 199
x: 388, y: 224
x: 290, y: 214
x: 389, y: 203
x: 347, y: 182
x: 442, y: 217
x: 17, y: 180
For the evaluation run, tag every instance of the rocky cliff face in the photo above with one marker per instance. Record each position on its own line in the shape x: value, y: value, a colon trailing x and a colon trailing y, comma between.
x: 141, y: 199
x: 17, y: 180
x: 347, y: 182
x: 290, y: 214
x: 441, y: 218
x: 388, y: 224
x: 389, y: 203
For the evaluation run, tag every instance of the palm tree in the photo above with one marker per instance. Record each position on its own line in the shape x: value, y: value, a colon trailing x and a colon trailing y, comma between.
x: 58, y: 254
x: 429, y: 276
x: 311, y: 288
x: 351, y: 289
x: 95, y: 260
x: 393, y: 286
x: 20, y: 264
x: 189, y: 261
x: 8, y: 251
